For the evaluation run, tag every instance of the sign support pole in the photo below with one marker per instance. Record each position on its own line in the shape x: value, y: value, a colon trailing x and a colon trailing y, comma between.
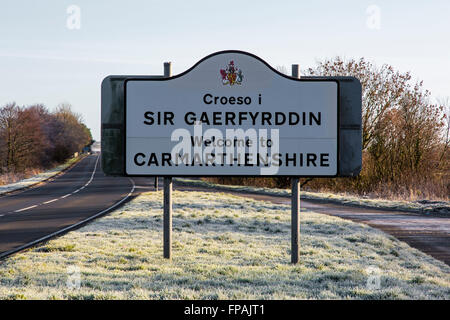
x: 167, y: 73
x: 295, y: 203
x: 295, y: 221
x: 167, y: 224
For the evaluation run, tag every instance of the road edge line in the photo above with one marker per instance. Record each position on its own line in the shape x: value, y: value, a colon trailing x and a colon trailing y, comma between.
x: 35, y: 185
x: 69, y: 228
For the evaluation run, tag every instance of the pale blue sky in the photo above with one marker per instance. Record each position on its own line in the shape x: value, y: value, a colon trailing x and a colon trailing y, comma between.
x: 42, y: 61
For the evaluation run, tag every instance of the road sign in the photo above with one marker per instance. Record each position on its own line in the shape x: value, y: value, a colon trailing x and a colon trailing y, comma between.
x: 231, y: 114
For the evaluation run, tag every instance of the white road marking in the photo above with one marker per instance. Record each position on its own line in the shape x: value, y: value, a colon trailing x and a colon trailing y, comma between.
x: 27, y: 208
x: 69, y: 194
x: 31, y: 187
x: 32, y: 243
x: 49, y: 201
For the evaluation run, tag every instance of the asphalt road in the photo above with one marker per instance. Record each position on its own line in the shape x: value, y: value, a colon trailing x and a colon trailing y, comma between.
x: 430, y: 234
x: 84, y: 192
x: 80, y: 193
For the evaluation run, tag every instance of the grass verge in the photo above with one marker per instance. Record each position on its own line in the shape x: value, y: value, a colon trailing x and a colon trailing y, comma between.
x: 425, y: 207
x: 40, y: 177
x: 225, y: 247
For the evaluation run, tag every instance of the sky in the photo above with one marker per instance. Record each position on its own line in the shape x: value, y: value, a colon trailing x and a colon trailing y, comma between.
x: 55, y: 51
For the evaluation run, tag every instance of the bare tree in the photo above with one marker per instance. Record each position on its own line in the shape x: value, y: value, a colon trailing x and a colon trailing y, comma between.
x: 22, y: 138
x: 382, y: 87
x: 282, y: 69
x: 32, y: 137
x: 445, y: 104
x: 73, y: 134
x: 401, y: 129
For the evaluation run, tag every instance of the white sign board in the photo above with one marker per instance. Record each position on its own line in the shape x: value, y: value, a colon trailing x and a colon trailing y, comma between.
x: 231, y: 114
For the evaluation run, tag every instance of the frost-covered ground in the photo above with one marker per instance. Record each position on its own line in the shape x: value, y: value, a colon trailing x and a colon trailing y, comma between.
x: 425, y: 207
x: 22, y: 184
x: 224, y: 247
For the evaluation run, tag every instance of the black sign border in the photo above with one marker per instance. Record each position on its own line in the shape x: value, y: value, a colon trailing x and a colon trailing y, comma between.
x: 241, y: 175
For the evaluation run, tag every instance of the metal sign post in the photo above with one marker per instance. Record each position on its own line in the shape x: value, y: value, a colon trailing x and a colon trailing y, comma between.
x: 295, y: 220
x: 167, y: 225
x: 167, y: 195
x: 295, y: 202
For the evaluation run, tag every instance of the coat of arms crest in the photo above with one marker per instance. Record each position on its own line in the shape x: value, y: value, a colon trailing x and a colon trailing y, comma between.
x: 231, y: 74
